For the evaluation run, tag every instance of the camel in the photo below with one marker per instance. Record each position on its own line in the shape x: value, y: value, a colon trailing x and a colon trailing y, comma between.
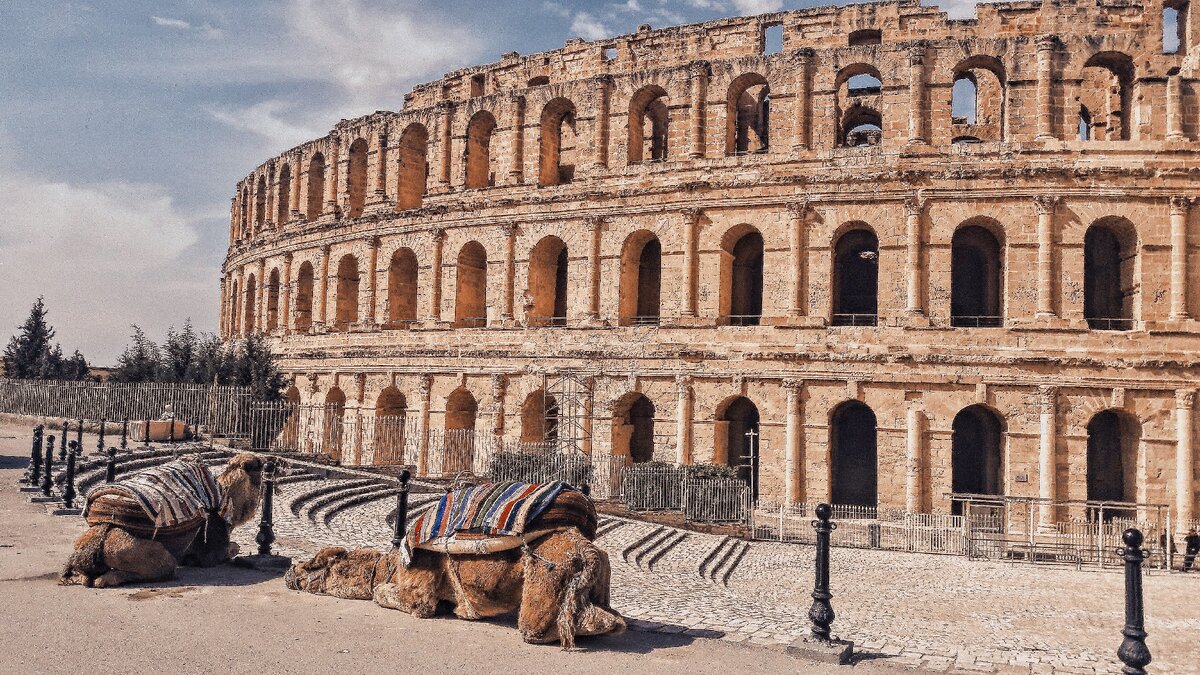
x: 125, y: 545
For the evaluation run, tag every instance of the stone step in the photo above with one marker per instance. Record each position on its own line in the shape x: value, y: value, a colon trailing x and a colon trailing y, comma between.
x: 325, y: 488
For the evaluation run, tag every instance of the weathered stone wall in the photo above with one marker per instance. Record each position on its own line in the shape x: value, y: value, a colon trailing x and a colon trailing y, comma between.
x: 1035, y: 189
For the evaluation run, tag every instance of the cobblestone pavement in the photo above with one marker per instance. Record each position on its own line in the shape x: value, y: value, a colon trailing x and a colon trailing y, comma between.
x: 936, y: 613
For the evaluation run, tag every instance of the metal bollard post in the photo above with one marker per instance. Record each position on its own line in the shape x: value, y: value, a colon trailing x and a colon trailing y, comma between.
x: 110, y: 469
x: 100, y: 442
x: 62, y: 451
x: 78, y: 437
x: 35, y: 458
x: 171, y: 433
x: 147, y: 430
x: 400, y: 527
x: 266, y: 526
x: 47, y: 467
x: 1133, y: 651
x: 124, y: 433
x: 69, y: 488
x: 821, y: 612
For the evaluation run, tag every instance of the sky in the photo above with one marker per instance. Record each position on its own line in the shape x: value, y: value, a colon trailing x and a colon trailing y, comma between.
x: 124, y: 127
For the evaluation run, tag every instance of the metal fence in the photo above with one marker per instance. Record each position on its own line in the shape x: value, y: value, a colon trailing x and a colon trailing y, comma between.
x: 700, y: 498
x: 864, y: 527
x: 221, y: 410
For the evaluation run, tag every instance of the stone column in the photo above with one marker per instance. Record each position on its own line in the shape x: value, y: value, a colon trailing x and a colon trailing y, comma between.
x: 324, y: 290
x: 426, y: 387
x: 499, y: 389
x: 272, y: 195
x: 683, y: 419
x: 435, y: 275
x: 698, y: 72
x: 603, y: 105
x: 510, y: 271
x: 332, y: 169
x: 793, y: 447
x: 916, y: 91
x: 260, y: 305
x: 373, y: 279
x: 447, y: 117
x: 285, y: 292
x: 1047, y: 462
x: 1175, y: 110
x: 914, y: 484
x: 381, y: 171
x: 516, y: 171
x: 239, y: 304
x: 222, y: 329
x: 802, y: 106
x: 796, y: 243
x: 1185, y: 402
x: 596, y: 225
x: 915, y: 242
x: 691, y: 262
x: 1045, y: 86
x: 1179, y: 257
x: 294, y: 194
x: 1045, y: 255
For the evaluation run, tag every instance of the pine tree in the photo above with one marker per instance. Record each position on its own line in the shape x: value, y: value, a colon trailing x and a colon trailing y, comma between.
x: 213, y: 363
x: 140, y: 360
x: 179, y: 355
x: 29, y: 353
x: 256, y: 368
x: 76, y: 368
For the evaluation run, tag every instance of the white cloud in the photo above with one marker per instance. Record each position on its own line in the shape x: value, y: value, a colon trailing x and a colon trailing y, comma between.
x: 757, y: 6
x: 171, y: 23
x: 589, y: 27
x: 629, y: 6
x: 267, y: 119
x: 957, y: 9
x: 555, y: 8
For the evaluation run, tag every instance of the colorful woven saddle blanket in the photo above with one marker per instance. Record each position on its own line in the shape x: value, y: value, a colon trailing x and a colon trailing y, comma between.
x: 172, y: 496
x: 501, y: 514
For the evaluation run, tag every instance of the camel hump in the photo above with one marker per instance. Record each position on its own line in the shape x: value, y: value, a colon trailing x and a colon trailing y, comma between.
x: 570, y: 508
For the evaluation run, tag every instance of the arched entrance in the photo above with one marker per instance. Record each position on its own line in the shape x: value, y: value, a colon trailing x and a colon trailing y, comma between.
x: 391, y: 410
x: 853, y: 461
x: 1112, y: 451
x: 633, y: 428
x: 856, y: 278
x: 332, y: 423
x: 976, y: 453
x: 459, y: 440
x: 539, y: 418
x: 737, y: 432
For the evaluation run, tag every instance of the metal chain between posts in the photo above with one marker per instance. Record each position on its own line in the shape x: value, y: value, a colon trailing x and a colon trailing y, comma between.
x: 821, y: 612
x: 69, y: 487
x: 266, y: 526
x: 401, y: 525
x: 1133, y: 651
x: 35, y: 459
x: 47, y: 467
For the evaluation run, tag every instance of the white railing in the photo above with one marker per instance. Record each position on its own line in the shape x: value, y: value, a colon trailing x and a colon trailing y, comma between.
x: 864, y: 527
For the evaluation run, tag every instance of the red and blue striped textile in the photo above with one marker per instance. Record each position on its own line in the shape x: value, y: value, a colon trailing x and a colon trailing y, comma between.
x: 490, y: 509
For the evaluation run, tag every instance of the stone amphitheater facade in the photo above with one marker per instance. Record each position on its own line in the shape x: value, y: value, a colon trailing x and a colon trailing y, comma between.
x: 906, y: 298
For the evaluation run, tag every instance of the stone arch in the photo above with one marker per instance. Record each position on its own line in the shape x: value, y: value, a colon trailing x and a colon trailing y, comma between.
x: 748, y: 115
x: 742, y: 250
x: 470, y: 292
x: 292, y: 395
x: 461, y: 412
x: 391, y: 411
x: 853, y: 455
x: 243, y: 230
x: 855, y: 276
x: 304, y: 297
x: 559, y: 153
x: 1106, y: 95
x: 260, y: 203
x: 346, y: 307
x: 316, y: 186
x: 333, y: 423
x: 736, y: 417
x: 273, y: 300
x: 248, y: 322
x: 402, y: 287
x: 649, y: 142
x: 357, y: 179
x: 859, y: 121
x: 1113, y: 437
x: 987, y: 102
x: 976, y: 453
x: 539, y: 418
x: 479, y: 160
x: 548, y: 282
x: 977, y: 274
x: 1110, y: 271
x: 633, y: 427
x: 413, y: 173
x: 283, y: 202
x: 640, y: 293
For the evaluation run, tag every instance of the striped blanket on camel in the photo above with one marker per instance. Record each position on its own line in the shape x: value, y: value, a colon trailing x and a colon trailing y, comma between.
x: 504, y: 509
x: 177, y: 494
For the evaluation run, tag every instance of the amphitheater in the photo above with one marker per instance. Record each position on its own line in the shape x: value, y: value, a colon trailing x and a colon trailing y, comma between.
x: 865, y: 254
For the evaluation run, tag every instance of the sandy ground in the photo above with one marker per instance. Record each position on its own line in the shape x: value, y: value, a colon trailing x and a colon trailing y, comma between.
x: 232, y: 620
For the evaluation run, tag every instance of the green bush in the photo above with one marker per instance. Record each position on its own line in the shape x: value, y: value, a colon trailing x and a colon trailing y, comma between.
x: 540, y: 467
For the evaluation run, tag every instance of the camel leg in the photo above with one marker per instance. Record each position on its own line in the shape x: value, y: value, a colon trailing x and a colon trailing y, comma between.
x: 133, y: 559
x: 413, y: 590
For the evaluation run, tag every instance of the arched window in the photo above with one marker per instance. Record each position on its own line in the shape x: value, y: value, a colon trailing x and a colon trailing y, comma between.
x: 391, y: 410
x: 979, y: 100
x: 480, y: 171
x: 235, y: 311
x: 748, y: 111
x: 470, y: 295
x: 402, y: 288
x: 358, y: 177
x: 1109, y: 266
x: 249, y: 323
x: 245, y: 215
x: 414, y: 167
x: 853, y: 462
x: 539, y: 418
x: 1106, y: 97
x: 316, y: 186
x: 976, y: 278
x: 859, y: 121
x: 862, y: 126
x: 633, y: 428
x: 273, y: 301
x: 539, y: 81
x: 738, y: 442
x: 558, y: 140
x: 976, y: 453
x: 742, y: 274
x: 641, y: 279
x: 964, y: 99
x: 331, y: 423
x: 1112, y: 457
x: 548, y: 263
x: 347, y: 293
x: 260, y: 203
x: 649, y: 117
x: 284, y: 202
x: 459, y: 445
x: 304, y: 297
x: 1174, y: 27
x: 856, y: 278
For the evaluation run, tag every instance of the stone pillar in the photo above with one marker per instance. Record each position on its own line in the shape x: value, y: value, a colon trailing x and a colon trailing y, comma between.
x: 222, y: 328
x: 916, y: 91
x: 698, y: 72
x: 426, y: 387
x: 793, y: 445
x: 435, y: 275
x: 239, y: 305
x: 914, y: 483
x: 915, y: 243
x: 332, y: 169
x: 683, y: 419
x: 372, y: 279
x: 603, y: 105
x: 272, y: 194
x: 1175, y: 110
x: 381, y: 171
x: 285, y: 292
x: 802, y: 106
x: 322, y: 306
x: 1047, y: 462
x: 1045, y: 86
x: 691, y: 262
x: 1045, y: 255
x: 499, y: 389
x: 797, y: 236
x: 1185, y: 454
x: 294, y: 194
x: 260, y: 305
x: 447, y: 117
x: 1179, y: 257
x: 516, y: 171
x: 510, y: 272
x: 596, y: 225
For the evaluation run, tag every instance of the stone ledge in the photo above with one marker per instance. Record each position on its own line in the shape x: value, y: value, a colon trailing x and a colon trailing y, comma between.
x: 835, y: 652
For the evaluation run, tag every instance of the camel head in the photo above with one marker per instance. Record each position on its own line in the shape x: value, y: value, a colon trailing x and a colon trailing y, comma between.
x: 310, y: 575
x: 242, y: 482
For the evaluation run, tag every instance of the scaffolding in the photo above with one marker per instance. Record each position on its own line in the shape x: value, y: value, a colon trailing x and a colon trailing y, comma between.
x: 564, y: 424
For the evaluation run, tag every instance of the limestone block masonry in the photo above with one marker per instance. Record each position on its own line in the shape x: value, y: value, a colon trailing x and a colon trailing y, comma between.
x: 919, y: 256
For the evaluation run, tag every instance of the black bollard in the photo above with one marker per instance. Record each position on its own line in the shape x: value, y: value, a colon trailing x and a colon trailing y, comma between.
x: 821, y: 612
x: 586, y: 490
x: 110, y: 469
x: 100, y: 442
x: 1133, y: 651
x: 35, y: 458
x: 266, y: 526
x: 47, y: 467
x: 62, y: 451
x: 78, y: 447
x: 124, y: 433
x: 401, y: 525
x: 69, y: 488
x: 171, y: 432
x: 147, y: 430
